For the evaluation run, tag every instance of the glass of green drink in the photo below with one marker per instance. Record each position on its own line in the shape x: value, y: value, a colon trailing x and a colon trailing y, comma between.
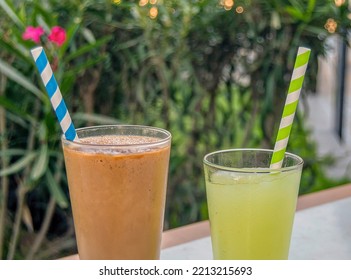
x: 251, y: 207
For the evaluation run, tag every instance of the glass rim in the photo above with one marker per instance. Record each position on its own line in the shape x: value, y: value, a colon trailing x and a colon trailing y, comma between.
x: 298, y: 164
x: 159, y: 142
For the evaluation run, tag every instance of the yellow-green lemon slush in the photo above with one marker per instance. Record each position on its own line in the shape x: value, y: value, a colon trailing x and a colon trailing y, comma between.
x: 251, y: 207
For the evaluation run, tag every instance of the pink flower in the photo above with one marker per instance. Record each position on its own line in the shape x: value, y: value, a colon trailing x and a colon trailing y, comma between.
x: 57, y: 35
x: 33, y: 33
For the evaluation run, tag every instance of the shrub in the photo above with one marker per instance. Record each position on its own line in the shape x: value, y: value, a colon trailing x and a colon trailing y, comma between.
x: 213, y: 73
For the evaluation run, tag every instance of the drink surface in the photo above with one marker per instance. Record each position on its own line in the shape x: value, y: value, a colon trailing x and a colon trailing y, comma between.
x: 251, y: 215
x: 118, y: 140
x: 117, y: 199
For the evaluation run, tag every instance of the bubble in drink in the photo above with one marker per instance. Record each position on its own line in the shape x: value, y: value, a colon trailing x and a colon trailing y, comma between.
x: 119, y: 140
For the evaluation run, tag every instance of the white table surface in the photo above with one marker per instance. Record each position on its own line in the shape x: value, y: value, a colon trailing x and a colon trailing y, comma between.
x: 322, y: 232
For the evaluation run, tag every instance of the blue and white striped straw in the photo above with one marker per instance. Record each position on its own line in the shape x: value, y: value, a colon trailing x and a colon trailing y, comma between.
x: 54, y: 93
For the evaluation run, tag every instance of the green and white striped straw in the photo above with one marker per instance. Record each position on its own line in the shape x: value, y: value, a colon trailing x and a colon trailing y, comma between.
x: 290, y: 106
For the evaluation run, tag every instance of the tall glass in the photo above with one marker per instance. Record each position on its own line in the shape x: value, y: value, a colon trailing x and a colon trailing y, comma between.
x: 117, y: 177
x: 251, y: 207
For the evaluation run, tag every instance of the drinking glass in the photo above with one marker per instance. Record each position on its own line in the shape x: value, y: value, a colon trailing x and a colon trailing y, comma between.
x: 251, y: 207
x: 117, y: 177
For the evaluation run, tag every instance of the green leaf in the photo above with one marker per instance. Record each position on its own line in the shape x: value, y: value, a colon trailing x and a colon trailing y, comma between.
x: 294, y: 13
x: 44, y: 16
x: 12, y: 152
x: 70, y: 32
x: 12, y: 107
x: 87, y: 64
x: 17, y: 76
x: 15, y: 119
x: 41, y: 21
x: 275, y: 20
x: 87, y: 48
x: 129, y: 43
x: 297, y: 4
x: 56, y: 190
x: 311, y: 6
x: 88, y: 35
x: 316, y: 30
x: 41, y: 164
x: 18, y: 165
x: 14, y: 49
x: 11, y: 13
x: 98, y: 119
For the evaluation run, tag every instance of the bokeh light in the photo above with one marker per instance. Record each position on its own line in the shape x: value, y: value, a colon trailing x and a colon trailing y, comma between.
x: 153, y: 12
x: 338, y: 3
x: 239, y: 9
x: 227, y: 4
x: 143, y: 2
x: 331, y: 25
x: 116, y: 2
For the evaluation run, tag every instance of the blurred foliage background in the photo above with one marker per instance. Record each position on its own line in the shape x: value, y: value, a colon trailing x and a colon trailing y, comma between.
x: 213, y: 72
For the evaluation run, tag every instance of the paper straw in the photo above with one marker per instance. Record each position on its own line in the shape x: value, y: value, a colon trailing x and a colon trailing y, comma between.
x: 54, y: 93
x: 290, y: 106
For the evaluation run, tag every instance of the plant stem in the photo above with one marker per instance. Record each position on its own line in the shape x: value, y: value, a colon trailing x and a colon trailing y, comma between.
x: 21, y: 194
x: 22, y: 190
x: 161, y: 71
x: 4, y: 163
x: 65, y: 243
x: 50, y: 210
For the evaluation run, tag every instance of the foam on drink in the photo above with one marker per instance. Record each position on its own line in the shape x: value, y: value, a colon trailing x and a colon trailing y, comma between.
x: 118, y: 140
